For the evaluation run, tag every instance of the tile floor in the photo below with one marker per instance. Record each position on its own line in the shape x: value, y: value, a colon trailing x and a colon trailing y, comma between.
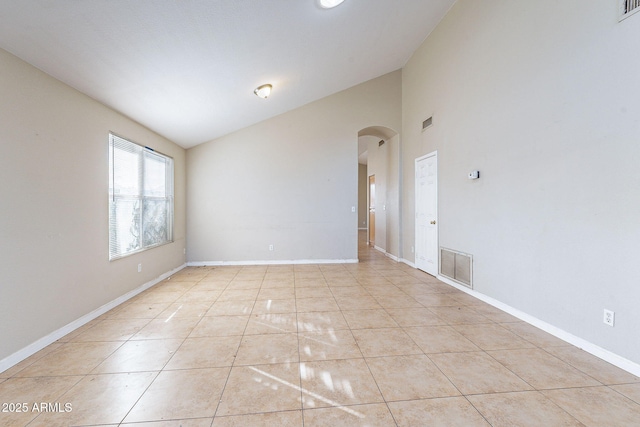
x: 369, y: 344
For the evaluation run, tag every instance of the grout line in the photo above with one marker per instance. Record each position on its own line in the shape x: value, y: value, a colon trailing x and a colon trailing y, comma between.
x: 376, y: 268
x: 162, y: 369
x: 299, y: 358
x: 226, y: 381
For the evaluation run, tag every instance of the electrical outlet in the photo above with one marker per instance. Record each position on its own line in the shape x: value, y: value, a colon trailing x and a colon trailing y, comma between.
x: 412, y: 249
x: 609, y: 317
x: 139, y: 268
x: 270, y: 247
x: 353, y: 208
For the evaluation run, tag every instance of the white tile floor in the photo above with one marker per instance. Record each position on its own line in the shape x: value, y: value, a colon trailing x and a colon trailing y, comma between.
x: 370, y: 344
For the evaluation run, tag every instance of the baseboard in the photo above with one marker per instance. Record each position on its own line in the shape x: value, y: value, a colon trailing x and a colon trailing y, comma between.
x: 38, y: 345
x: 271, y: 262
x: 393, y: 257
x: 409, y: 263
x: 585, y: 345
x: 387, y: 254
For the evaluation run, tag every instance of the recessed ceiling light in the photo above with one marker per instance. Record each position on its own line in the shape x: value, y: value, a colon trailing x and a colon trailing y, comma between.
x: 328, y: 4
x: 263, y: 91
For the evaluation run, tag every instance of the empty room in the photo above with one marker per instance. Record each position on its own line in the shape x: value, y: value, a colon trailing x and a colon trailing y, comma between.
x: 319, y: 213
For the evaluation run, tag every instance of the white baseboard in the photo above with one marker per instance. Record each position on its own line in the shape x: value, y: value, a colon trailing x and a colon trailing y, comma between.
x: 409, y: 263
x: 38, y: 345
x: 387, y: 254
x: 585, y: 345
x: 271, y: 262
x: 393, y: 257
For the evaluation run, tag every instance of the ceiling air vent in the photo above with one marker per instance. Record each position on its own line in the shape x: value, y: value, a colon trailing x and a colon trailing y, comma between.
x: 628, y: 8
x: 429, y: 121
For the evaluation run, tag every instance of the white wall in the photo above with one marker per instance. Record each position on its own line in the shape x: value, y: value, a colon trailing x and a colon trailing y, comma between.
x: 290, y: 181
x: 393, y: 196
x: 363, y: 209
x: 543, y: 98
x: 54, y: 161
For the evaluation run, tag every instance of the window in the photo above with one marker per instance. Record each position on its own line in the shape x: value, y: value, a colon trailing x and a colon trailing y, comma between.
x: 140, y: 198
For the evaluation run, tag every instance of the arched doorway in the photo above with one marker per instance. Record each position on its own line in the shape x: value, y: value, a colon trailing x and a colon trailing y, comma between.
x: 379, y: 163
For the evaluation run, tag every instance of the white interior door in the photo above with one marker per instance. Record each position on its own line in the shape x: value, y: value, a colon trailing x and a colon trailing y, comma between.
x: 426, y: 249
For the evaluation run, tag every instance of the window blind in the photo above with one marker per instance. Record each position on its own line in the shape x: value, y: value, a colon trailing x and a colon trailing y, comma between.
x: 140, y: 198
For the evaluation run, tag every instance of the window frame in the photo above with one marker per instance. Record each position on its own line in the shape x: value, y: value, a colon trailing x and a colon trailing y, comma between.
x: 142, y: 152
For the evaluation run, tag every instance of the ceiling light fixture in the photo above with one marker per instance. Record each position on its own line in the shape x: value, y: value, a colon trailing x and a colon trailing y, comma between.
x: 263, y: 91
x: 328, y: 4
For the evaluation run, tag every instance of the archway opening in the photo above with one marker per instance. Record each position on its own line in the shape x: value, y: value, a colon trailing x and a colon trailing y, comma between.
x: 379, y: 163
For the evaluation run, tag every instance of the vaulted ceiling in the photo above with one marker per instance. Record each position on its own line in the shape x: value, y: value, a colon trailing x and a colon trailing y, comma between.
x: 187, y: 68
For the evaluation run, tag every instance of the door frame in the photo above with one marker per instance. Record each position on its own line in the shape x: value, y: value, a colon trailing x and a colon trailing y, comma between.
x: 437, y: 222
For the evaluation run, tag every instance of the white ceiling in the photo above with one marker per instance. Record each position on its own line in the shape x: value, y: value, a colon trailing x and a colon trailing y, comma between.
x: 187, y: 68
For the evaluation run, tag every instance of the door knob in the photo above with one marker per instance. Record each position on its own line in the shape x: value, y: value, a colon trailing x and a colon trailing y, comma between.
x: 433, y: 222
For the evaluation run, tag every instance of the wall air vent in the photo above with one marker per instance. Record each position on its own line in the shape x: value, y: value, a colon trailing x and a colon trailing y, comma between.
x: 456, y: 266
x: 429, y: 121
x: 628, y: 8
